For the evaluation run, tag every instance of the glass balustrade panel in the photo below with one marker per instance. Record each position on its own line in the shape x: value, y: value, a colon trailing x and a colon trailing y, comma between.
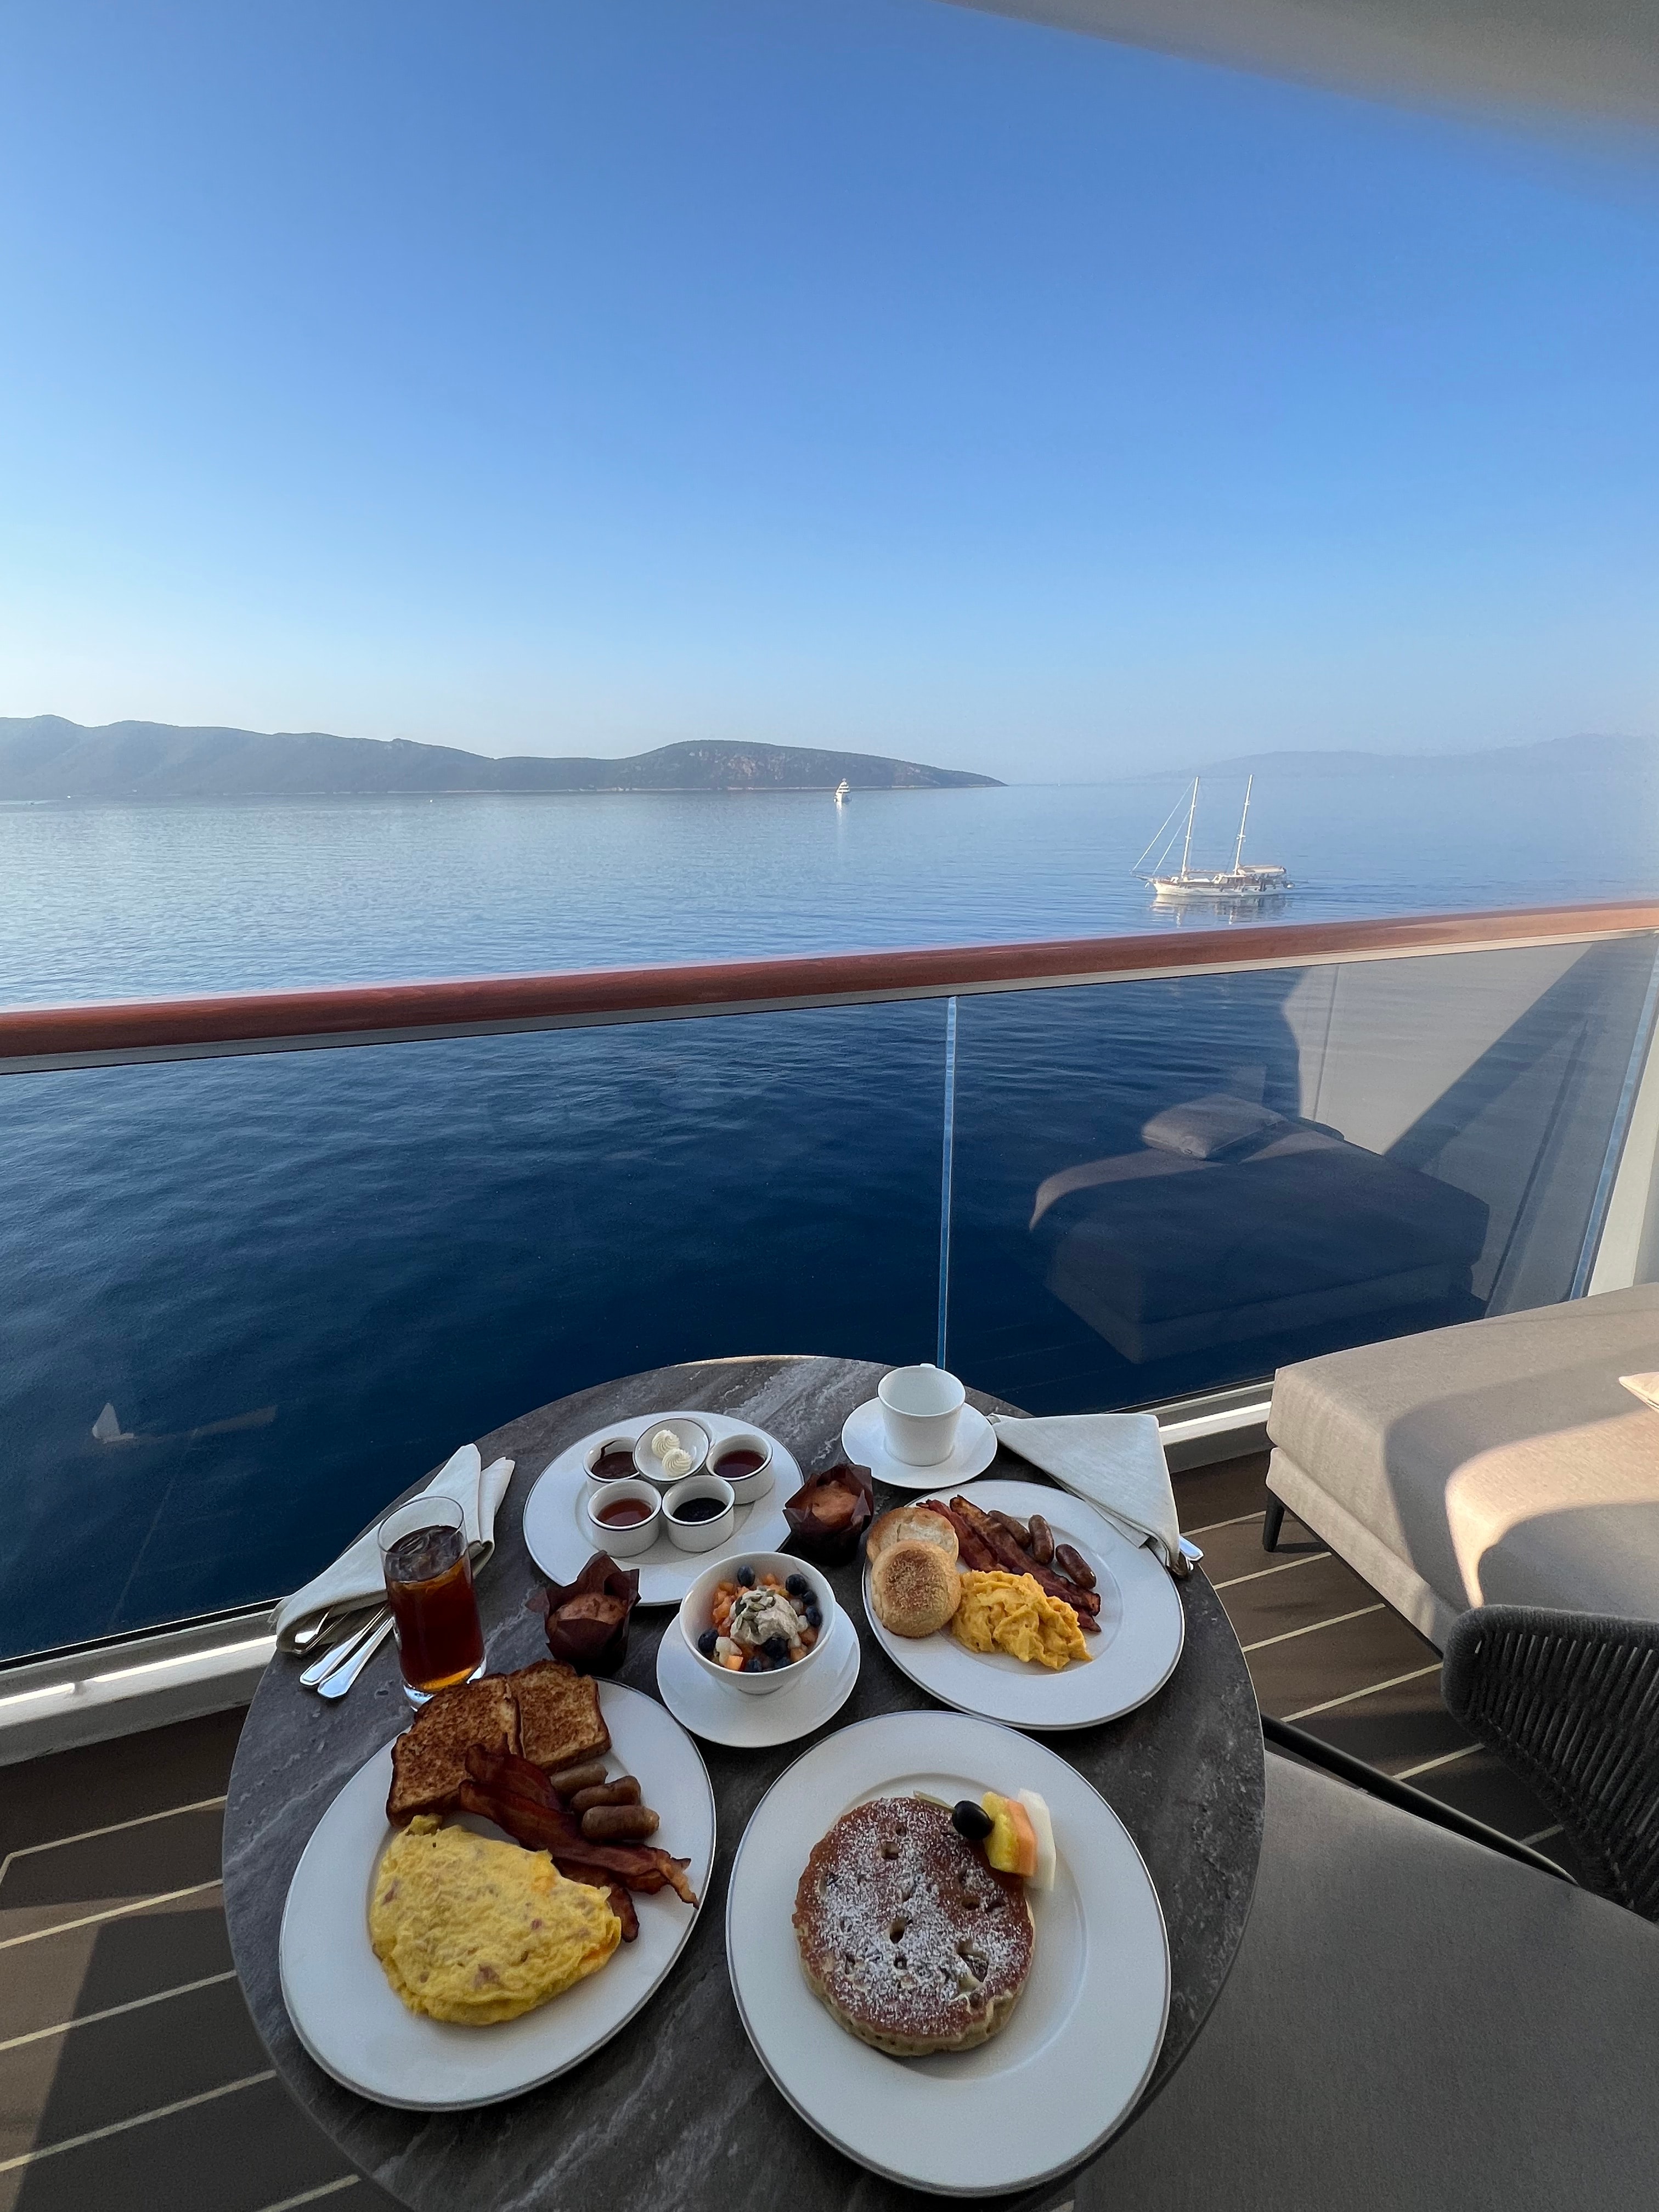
x: 249, y: 1301
x: 1167, y: 1187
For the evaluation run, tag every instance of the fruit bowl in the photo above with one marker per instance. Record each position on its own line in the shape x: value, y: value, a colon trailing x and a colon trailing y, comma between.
x: 697, y: 1618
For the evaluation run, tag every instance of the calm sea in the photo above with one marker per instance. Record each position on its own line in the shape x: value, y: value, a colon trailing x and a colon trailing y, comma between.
x: 361, y: 1258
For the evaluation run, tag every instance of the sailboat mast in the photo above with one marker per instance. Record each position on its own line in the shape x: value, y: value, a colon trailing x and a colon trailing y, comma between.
x: 1238, y: 850
x: 1186, y: 849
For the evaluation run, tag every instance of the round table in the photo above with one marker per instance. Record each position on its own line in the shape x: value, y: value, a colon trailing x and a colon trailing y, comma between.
x: 675, y: 2114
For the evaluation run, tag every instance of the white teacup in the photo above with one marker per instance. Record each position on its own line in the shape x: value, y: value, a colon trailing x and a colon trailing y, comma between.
x: 920, y: 1409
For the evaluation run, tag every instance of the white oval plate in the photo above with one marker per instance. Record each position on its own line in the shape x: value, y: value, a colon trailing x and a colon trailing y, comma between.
x: 722, y: 1716
x: 1142, y: 1628
x: 1081, y: 2045
x: 343, y: 2009
x: 560, y: 1543
x: 864, y: 1440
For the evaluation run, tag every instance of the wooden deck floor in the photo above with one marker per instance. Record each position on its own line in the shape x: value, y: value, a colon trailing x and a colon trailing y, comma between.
x: 131, y: 2073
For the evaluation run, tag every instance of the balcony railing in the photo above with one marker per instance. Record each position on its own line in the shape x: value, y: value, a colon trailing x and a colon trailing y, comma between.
x: 247, y: 1302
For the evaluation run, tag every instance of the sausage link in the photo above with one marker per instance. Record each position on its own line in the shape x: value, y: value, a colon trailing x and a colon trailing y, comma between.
x: 1075, y: 1568
x: 587, y: 1776
x: 1043, y: 1540
x: 618, y: 1823
x: 1017, y: 1529
x: 624, y: 1790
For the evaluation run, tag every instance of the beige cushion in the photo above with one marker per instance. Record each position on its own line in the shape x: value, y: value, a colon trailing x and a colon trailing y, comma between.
x: 1413, y: 2023
x: 1500, y: 1461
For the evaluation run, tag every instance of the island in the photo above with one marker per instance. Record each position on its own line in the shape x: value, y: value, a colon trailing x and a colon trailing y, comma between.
x: 42, y: 757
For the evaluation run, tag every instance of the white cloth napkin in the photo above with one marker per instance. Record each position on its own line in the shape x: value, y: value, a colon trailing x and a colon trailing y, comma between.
x: 1644, y: 1387
x: 356, y: 1577
x: 1113, y: 1460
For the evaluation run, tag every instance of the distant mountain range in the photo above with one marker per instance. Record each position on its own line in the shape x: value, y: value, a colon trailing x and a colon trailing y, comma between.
x: 44, y: 757
x: 1548, y: 757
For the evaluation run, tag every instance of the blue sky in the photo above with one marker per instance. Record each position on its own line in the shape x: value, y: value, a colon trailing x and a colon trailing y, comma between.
x: 550, y: 377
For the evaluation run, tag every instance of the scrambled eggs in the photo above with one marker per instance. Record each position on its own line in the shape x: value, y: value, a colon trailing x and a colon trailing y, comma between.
x: 1012, y: 1612
x: 471, y: 1931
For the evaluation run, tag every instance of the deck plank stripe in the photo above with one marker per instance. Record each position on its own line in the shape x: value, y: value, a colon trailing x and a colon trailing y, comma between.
x: 1238, y: 1521
x: 109, y: 1912
x: 112, y: 2012
x: 1313, y: 1628
x: 1311, y: 1560
x: 1370, y: 1690
x: 115, y: 1827
x: 312, y: 2196
x: 138, y: 2120
x: 1428, y: 1765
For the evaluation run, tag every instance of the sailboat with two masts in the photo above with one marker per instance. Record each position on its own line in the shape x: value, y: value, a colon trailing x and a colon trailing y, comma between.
x: 1242, y: 881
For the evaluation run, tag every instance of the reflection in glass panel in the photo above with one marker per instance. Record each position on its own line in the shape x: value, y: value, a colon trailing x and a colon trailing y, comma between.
x: 1166, y: 1186
x: 296, y: 1283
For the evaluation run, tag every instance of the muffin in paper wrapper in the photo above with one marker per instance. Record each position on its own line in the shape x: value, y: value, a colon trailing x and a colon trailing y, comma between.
x: 587, y: 1619
x: 830, y: 1512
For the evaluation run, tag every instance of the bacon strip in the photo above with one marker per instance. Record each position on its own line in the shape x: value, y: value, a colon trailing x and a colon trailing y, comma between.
x: 1085, y: 1604
x: 639, y: 1866
x: 975, y: 1556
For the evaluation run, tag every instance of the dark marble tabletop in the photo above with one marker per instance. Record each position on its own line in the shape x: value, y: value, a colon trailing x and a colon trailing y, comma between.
x: 675, y: 2114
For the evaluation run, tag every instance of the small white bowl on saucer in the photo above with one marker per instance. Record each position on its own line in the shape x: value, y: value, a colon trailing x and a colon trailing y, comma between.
x: 623, y: 1540
x: 690, y: 1436
x: 746, y: 1488
x: 714, y: 1529
x: 758, y: 1723
x: 622, y: 1445
x: 697, y: 1615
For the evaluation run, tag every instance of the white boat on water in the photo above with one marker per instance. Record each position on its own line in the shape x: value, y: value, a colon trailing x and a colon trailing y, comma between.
x: 843, y: 791
x: 1242, y: 881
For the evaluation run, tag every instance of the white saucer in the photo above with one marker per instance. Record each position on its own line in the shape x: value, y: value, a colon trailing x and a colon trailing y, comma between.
x: 752, y: 1723
x: 864, y: 1440
x: 561, y: 1542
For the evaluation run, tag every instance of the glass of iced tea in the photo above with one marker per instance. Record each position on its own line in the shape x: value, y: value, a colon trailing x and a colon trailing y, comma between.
x: 428, y: 1585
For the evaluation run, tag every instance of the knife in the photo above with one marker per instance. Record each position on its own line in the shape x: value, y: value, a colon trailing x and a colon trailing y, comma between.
x: 343, y: 1676
x: 319, y: 1669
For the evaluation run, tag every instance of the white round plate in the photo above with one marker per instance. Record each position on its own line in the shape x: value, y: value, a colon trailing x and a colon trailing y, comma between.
x: 1142, y: 1628
x: 864, y: 1440
x: 752, y: 1723
x: 561, y: 1542
x: 1083, y: 2041
x: 343, y: 2009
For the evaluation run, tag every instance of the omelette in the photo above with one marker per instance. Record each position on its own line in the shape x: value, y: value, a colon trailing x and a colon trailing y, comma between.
x: 476, y: 1931
x: 1014, y: 1614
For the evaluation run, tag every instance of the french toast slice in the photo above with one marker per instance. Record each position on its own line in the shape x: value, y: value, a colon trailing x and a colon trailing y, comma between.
x: 428, y: 1760
x: 560, y: 1722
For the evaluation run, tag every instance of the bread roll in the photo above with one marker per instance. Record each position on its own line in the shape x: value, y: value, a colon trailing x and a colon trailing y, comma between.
x: 912, y: 1524
x: 914, y: 1588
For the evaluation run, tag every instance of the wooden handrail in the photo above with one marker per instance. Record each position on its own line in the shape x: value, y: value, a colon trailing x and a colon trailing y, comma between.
x: 35, y: 1038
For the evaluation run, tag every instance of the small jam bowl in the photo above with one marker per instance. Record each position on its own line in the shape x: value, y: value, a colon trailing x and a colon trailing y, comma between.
x: 699, y: 1535
x: 697, y: 1610
x: 623, y: 1540
x: 622, y: 1446
x: 746, y: 1488
x: 693, y: 1438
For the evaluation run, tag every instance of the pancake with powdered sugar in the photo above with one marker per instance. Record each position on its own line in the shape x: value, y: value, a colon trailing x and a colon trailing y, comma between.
x: 910, y: 1939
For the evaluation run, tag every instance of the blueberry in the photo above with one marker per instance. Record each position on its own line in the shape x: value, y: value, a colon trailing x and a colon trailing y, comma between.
x: 797, y: 1585
x: 814, y: 1616
x: 776, y: 1648
x: 971, y: 1820
x: 707, y: 1641
x: 754, y: 1665
x: 745, y: 1578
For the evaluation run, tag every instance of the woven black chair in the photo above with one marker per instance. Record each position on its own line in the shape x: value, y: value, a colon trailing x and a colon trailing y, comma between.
x: 1570, y: 1701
